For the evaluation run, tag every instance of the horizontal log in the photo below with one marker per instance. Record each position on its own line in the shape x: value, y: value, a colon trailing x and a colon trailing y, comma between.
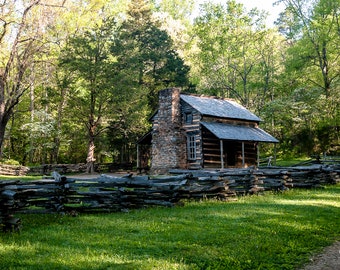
x: 52, y: 187
x: 108, y: 193
x: 169, y: 179
x: 8, y: 182
x: 7, y: 194
x: 159, y: 202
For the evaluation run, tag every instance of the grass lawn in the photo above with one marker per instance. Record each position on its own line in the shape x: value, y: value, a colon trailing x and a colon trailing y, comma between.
x: 291, y: 161
x: 274, y: 231
x: 21, y: 178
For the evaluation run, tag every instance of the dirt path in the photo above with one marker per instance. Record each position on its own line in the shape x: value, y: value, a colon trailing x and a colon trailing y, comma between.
x: 329, y: 259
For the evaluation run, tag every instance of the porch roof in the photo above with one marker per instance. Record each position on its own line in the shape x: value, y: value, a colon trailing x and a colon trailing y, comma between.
x: 239, y: 133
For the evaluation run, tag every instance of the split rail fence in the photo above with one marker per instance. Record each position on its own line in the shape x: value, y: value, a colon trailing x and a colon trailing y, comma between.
x: 112, y: 194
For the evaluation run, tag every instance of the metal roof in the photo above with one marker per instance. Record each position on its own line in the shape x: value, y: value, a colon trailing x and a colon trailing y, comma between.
x: 219, y: 107
x: 239, y: 133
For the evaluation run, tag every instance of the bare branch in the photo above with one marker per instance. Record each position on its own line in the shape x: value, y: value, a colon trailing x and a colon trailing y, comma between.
x: 61, y: 5
x: 3, y: 3
x: 16, y: 41
x: 3, y: 33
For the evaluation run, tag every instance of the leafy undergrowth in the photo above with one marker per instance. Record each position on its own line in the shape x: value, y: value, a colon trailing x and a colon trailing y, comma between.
x: 274, y: 231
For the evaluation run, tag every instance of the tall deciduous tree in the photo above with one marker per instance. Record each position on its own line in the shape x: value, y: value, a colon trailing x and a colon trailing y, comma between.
x: 313, y: 70
x: 88, y: 56
x: 314, y: 25
x: 77, y: 17
x: 177, y: 9
x: 227, y: 39
x: 22, y: 29
x: 311, y: 78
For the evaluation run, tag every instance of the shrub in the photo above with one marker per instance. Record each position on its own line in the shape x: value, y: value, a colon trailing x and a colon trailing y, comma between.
x: 9, y: 162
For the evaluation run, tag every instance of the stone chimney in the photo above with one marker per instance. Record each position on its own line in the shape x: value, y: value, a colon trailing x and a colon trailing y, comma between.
x: 168, y: 140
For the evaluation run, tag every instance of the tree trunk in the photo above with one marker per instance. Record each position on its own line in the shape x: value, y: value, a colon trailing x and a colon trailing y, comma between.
x: 4, y: 114
x: 90, y: 156
x: 3, y: 123
x: 91, y: 146
x: 14, y: 68
x: 32, y: 107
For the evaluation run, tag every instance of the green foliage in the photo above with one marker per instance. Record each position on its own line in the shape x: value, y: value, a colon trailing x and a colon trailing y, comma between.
x: 145, y: 54
x: 312, y: 116
x: 274, y: 231
x: 88, y: 59
x: 9, y: 162
x: 95, y: 67
x: 236, y: 54
x: 178, y: 9
x: 316, y: 50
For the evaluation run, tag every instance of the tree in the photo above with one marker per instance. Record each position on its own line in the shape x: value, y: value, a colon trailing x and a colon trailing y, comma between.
x: 21, y: 41
x: 58, y: 90
x: 270, y: 47
x: 312, y: 69
x: 314, y: 26
x: 41, y: 128
x: 146, y: 63
x: 227, y: 54
x: 145, y: 54
x: 78, y: 17
x: 88, y: 56
x: 128, y: 123
x: 177, y: 9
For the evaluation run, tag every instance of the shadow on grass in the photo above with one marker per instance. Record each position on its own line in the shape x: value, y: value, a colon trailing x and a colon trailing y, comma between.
x: 258, y: 232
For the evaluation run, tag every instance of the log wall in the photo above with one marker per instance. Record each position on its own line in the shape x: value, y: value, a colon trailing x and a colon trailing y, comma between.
x: 13, y: 170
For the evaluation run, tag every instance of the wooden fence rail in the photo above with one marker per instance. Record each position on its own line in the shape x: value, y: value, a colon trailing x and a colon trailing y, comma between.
x: 15, y: 170
x: 79, y: 168
x: 111, y: 194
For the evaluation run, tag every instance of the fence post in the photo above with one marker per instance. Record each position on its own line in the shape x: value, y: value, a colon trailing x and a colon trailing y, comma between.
x: 7, y: 219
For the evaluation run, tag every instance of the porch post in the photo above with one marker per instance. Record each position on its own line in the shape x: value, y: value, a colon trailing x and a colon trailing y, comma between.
x: 258, y: 154
x: 221, y: 151
x: 243, y: 161
x: 274, y: 154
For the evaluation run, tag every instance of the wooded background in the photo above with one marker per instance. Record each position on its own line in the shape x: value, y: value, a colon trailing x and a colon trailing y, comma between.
x: 79, y: 79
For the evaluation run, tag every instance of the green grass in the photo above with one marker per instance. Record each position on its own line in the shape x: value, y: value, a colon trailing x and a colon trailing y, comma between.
x: 22, y: 178
x: 274, y: 231
x: 290, y: 162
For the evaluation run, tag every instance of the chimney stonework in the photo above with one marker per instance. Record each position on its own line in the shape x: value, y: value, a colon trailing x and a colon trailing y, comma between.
x: 168, y: 139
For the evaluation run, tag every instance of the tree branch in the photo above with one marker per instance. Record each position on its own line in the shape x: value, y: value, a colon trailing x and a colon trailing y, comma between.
x: 16, y: 40
x: 62, y: 5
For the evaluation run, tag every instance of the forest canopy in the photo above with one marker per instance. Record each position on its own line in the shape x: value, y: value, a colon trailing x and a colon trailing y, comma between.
x: 79, y: 78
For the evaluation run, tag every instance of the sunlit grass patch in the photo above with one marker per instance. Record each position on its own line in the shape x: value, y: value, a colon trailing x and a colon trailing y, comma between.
x: 274, y: 231
x: 21, y: 178
x: 291, y: 161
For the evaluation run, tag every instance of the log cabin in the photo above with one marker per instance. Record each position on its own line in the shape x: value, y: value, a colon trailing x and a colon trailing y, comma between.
x: 199, y: 132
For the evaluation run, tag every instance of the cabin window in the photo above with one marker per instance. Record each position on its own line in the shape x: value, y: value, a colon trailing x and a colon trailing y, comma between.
x: 192, y: 147
x: 188, y: 118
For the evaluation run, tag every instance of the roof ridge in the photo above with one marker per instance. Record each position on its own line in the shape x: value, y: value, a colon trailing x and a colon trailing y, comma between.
x: 208, y: 96
x: 220, y: 108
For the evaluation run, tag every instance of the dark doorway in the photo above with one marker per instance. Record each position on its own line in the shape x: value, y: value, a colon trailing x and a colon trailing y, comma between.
x: 229, y: 149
